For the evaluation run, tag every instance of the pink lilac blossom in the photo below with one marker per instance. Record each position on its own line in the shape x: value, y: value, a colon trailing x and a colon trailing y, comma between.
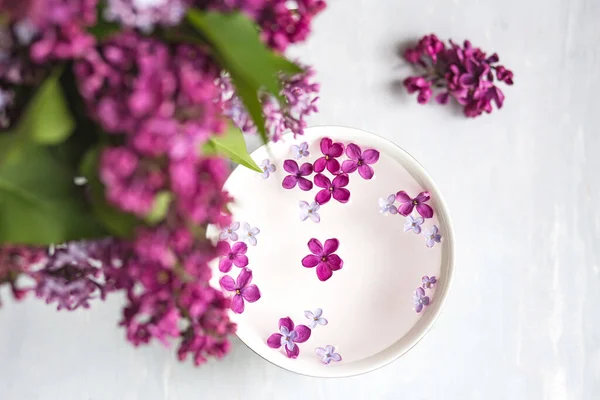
x: 297, y: 175
x: 335, y: 188
x: 233, y: 255
x: 330, y: 151
x: 359, y: 160
x: 242, y: 288
x: 407, y: 204
x: 288, y: 337
x: 323, y: 258
x: 464, y: 73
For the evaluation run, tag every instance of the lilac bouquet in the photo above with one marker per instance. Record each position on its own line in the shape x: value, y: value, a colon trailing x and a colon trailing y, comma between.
x: 119, y: 118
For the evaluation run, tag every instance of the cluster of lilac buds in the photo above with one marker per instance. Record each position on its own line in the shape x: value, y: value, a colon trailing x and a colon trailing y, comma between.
x: 464, y: 73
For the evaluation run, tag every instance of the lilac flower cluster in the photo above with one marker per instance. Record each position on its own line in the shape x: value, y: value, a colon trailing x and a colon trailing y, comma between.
x: 300, y: 93
x: 407, y: 205
x: 420, y: 299
x: 333, y: 186
x: 464, y: 73
x: 241, y: 287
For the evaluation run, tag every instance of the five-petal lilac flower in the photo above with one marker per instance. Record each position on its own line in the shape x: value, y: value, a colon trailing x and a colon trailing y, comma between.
x: 309, y: 211
x: 315, y: 318
x: 433, y: 236
x: 428, y: 282
x: 323, y: 258
x: 420, y: 300
x: 386, y: 206
x: 336, y: 188
x: 230, y: 232
x: 359, y: 160
x: 408, y: 204
x: 288, y: 336
x: 330, y: 152
x: 328, y: 354
x: 242, y: 288
x: 300, y: 150
x: 267, y: 168
x: 249, y: 234
x: 413, y: 224
x: 233, y: 255
x: 297, y: 175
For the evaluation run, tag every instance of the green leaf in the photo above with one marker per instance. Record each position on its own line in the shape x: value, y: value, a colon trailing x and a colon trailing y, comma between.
x: 47, y: 119
x: 232, y: 145
x: 251, y: 64
x: 117, y: 222
x: 103, y: 28
x: 159, y: 211
x: 40, y: 204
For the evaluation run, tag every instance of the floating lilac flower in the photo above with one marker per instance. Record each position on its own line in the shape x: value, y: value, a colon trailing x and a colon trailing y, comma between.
x: 230, y: 232
x: 328, y: 354
x: 428, y: 282
x: 300, y: 151
x: 242, y: 288
x: 330, y: 152
x: 288, y: 336
x: 233, y: 255
x: 309, y: 211
x: 386, y: 206
x: 315, y: 318
x: 267, y: 168
x: 335, y: 188
x: 420, y: 300
x: 359, y: 160
x: 413, y: 224
x: 297, y: 175
x: 408, y: 204
x: 249, y: 234
x: 323, y: 258
x: 433, y: 236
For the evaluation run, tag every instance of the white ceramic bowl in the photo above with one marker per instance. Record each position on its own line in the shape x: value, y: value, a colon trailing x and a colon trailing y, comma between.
x: 368, y: 304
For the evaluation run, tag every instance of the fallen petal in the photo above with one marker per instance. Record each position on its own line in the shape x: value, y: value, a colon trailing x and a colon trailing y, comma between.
x: 370, y: 156
x: 274, y: 341
x: 289, y: 182
x: 315, y: 246
x: 227, y: 283
x: 237, y: 304
x: 287, y: 323
x: 303, y: 332
x: 323, y: 196
x: 310, y: 261
x: 250, y: 293
x: 353, y: 151
x: 349, y: 166
x: 331, y: 245
x: 323, y: 272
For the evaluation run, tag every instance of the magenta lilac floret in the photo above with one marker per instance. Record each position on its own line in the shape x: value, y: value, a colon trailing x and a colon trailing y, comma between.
x: 288, y: 337
x: 242, y: 289
x: 323, y: 257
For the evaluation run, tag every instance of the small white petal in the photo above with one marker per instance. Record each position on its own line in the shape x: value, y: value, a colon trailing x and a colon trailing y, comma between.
x: 308, y: 314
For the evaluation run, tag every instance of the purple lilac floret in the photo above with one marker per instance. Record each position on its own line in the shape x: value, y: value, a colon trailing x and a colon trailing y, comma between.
x: 428, y: 282
x: 464, y: 73
x: 335, y: 188
x: 267, y: 168
x: 323, y: 257
x: 386, y: 206
x: 309, y: 211
x: 249, y: 234
x: 232, y: 255
x: 360, y: 161
x: 420, y: 300
x: 315, y: 318
x: 288, y: 337
x: 433, y: 236
x: 297, y: 175
x: 331, y: 151
x: 407, y: 204
x: 242, y: 289
x: 413, y: 224
x: 328, y: 354
x: 230, y: 233
x: 300, y: 150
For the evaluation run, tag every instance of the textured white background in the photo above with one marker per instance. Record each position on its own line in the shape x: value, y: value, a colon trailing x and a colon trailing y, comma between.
x: 522, y: 320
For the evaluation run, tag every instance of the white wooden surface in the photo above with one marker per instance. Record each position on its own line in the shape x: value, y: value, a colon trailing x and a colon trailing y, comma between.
x: 522, y: 320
